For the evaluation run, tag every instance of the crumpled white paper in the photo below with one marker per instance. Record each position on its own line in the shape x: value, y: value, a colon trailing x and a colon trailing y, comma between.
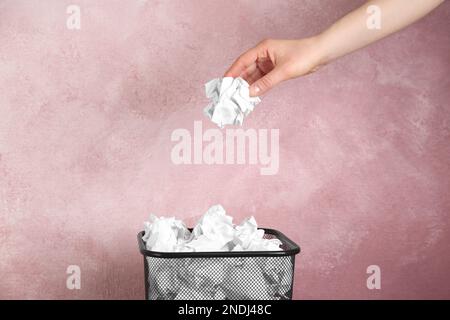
x: 214, y: 231
x: 230, y: 101
x: 278, y: 277
x: 249, y: 238
x: 241, y: 281
x: 219, y: 279
x: 165, y: 234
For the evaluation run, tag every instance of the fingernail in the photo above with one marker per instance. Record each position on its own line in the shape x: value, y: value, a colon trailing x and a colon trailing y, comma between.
x: 254, y: 90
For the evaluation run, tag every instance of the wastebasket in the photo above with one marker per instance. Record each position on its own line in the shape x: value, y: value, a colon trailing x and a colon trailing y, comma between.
x: 230, y: 275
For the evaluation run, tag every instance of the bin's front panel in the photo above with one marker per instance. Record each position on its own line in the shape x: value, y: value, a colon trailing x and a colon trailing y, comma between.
x: 220, y: 278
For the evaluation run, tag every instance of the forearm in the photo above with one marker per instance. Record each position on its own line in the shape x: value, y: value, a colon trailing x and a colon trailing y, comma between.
x: 273, y: 61
x: 351, y: 32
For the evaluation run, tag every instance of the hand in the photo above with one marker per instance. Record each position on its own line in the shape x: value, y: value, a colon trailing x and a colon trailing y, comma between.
x: 273, y: 61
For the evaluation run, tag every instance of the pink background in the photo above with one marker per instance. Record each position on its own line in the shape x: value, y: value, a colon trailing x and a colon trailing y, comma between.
x: 85, y: 124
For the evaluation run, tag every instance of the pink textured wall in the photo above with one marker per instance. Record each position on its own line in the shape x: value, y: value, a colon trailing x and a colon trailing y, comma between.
x: 85, y: 123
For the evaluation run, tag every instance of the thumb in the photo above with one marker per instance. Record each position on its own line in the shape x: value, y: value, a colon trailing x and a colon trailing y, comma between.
x: 267, y: 82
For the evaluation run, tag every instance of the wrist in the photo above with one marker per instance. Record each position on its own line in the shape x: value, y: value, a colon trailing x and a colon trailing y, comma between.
x: 322, y: 56
x: 313, y: 55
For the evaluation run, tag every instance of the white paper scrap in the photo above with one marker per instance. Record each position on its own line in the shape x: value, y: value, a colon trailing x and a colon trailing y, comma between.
x: 230, y: 101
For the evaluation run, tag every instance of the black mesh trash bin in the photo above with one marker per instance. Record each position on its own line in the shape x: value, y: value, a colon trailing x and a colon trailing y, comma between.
x: 235, y: 275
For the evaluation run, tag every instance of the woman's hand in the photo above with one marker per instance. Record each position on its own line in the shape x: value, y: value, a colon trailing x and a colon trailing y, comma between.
x: 273, y: 61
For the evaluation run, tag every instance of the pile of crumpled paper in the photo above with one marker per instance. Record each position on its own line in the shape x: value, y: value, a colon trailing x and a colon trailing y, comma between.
x: 215, y: 277
x: 215, y: 231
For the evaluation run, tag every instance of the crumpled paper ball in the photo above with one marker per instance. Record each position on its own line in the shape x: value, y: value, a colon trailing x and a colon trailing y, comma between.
x: 240, y: 282
x: 213, y: 231
x: 165, y: 234
x: 230, y: 101
x: 278, y: 277
x: 246, y: 233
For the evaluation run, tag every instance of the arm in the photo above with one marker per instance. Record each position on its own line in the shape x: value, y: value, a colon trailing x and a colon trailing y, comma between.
x: 351, y: 33
x: 273, y: 61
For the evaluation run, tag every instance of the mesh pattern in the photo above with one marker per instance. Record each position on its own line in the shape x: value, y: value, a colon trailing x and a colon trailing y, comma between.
x: 220, y: 277
x: 241, y: 278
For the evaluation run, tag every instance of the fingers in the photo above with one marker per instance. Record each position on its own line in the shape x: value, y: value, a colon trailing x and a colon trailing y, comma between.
x: 242, y: 63
x: 267, y: 82
x: 252, y: 73
x: 255, y: 76
x: 246, y: 66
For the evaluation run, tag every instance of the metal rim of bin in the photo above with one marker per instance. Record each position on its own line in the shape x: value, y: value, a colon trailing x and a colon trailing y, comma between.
x: 291, y: 249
